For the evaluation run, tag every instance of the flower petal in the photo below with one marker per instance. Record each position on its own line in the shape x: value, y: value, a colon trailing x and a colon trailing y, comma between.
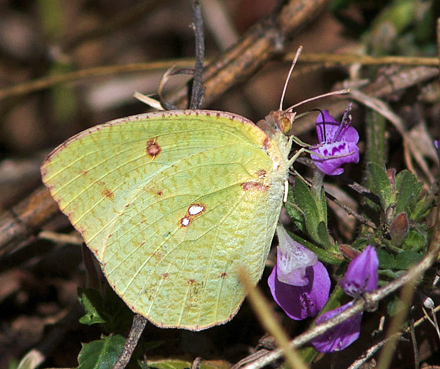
x: 341, y: 336
x: 293, y: 259
x: 362, y: 273
x: 323, y: 121
x: 327, y: 130
x: 345, y: 152
x: 305, y: 301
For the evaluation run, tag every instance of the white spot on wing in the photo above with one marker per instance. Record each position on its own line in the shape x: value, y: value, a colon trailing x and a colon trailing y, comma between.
x: 195, y: 209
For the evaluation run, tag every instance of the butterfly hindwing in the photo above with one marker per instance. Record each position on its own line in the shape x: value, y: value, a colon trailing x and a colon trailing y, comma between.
x: 171, y: 203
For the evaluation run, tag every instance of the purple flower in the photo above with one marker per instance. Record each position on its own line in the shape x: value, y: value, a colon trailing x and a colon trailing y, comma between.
x: 337, y: 143
x: 340, y: 336
x: 361, y: 276
x: 299, y: 283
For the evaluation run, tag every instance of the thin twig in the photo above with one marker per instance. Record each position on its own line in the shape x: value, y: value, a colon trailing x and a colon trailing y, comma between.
x: 346, y: 59
x: 138, y: 326
x: 197, y: 90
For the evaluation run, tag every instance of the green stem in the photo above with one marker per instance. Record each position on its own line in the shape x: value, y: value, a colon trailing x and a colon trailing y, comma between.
x: 376, y: 147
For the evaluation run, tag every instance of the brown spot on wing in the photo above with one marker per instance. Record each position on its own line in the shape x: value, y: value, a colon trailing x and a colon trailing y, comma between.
x: 254, y: 186
x: 157, y: 255
x: 191, y: 281
x: 153, y: 148
x: 261, y: 173
x: 109, y: 194
x: 223, y: 275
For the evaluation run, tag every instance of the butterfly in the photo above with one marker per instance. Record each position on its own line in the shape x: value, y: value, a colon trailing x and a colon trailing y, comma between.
x: 171, y: 203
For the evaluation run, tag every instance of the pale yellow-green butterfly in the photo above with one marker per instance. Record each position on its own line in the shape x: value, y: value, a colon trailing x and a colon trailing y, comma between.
x: 171, y: 203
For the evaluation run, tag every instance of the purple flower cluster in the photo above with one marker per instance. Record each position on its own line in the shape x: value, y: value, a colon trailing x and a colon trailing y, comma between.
x: 300, y: 285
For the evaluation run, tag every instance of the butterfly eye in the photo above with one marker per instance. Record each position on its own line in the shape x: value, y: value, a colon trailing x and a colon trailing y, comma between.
x: 286, y: 122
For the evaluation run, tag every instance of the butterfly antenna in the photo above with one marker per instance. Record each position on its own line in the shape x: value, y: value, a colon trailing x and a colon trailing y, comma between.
x: 339, y: 92
x: 295, y: 59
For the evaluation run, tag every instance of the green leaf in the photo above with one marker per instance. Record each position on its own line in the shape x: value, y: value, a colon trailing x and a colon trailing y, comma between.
x: 306, y: 201
x: 108, y: 310
x: 380, y: 184
x: 92, y: 302
x: 324, y: 237
x: 101, y: 354
x: 422, y: 207
x: 406, y: 259
x: 407, y: 190
x: 323, y: 207
x: 296, y: 214
x: 386, y: 260
x: 415, y: 240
